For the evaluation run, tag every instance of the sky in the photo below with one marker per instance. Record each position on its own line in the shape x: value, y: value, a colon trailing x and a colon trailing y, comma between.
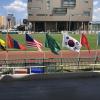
x: 19, y: 8
x: 96, y: 10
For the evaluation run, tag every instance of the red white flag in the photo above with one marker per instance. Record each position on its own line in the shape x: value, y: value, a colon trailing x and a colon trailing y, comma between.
x: 33, y: 43
x: 70, y: 42
x: 84, y: 42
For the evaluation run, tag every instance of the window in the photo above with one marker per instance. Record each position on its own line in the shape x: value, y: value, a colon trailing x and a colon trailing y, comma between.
x: 86, y: 1
x: 41, y: 14
x: 59, y: 10
x: 68, y: 3
x: 30, y: 14
x: 48, y: 4
x: 29, y: 0
x: 86, y: 13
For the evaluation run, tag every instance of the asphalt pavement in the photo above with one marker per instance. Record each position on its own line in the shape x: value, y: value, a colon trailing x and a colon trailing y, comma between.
x: 59, y: 89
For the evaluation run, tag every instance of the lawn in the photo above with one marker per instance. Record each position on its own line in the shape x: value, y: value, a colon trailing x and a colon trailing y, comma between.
x: 92, y: 38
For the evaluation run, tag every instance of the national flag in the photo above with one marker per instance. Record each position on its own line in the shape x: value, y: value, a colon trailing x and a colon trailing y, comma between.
x: 52, y: 44
x: 12, y: 43
x: 32, y: 42
x: 84, y: 42
x: 2, y: 47
x: 98, y: 39
x: 2, y: 44
x: 71, y: 43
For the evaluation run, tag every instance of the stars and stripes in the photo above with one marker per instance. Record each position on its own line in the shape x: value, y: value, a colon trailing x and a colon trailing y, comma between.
x: 32, y: 42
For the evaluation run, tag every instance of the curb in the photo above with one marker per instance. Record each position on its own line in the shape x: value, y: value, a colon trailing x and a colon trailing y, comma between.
x: 71, y: 75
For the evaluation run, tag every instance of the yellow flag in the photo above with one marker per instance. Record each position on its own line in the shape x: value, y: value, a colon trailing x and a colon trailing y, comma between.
x: 2, y: 42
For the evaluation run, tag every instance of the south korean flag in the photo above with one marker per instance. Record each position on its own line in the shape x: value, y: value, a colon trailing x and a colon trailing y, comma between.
x: 71, y: 43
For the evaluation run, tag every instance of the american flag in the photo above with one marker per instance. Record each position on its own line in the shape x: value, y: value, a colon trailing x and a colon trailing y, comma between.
x: 32, y: 42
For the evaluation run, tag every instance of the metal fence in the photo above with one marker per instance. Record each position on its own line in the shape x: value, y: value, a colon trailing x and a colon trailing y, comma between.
x: 56, y: 64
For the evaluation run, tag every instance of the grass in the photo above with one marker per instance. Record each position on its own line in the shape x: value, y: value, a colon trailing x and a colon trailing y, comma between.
x: 92, y: 38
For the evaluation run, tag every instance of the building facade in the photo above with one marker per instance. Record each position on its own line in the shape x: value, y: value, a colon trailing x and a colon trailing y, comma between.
x: 95, y: 26
x: 58, y: 15
x: 2, y: 22
x: 11, y: 21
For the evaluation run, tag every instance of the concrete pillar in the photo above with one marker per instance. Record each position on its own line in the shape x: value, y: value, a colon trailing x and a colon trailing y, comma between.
x: 33, y: 24
x: 56, y: 26
x: 45, y: 26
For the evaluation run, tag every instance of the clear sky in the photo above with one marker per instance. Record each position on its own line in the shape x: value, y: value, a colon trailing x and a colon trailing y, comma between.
x: 19, y: 8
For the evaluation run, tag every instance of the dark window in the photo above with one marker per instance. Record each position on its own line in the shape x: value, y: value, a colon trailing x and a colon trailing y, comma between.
x: 29, y: 0
x: 59, y: 10
x: 41, y: 14
x: 86, y: 1
x: 30, y: 14
x: 68, y: 3
x: 86, y: 13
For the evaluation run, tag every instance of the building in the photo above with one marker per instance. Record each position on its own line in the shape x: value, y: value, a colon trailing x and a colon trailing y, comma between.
x: 2, y: 22
x: 58, y: 15
x: 11, y: 21
x: 95, y: 26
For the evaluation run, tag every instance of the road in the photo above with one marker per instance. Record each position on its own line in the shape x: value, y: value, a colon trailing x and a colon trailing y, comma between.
x: 62, y: 89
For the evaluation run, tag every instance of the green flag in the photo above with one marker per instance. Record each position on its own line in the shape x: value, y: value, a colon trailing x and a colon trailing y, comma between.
x: 98, y: 39
x: 52, y: 44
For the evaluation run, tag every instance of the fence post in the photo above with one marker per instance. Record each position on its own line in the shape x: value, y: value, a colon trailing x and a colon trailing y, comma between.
x: 6, y: 63
x: 61, y: 64
x: 96, y: 59
x: 78, y: 63
x: 43, y: 61
x: 61, y: 61
x: 25, y: 62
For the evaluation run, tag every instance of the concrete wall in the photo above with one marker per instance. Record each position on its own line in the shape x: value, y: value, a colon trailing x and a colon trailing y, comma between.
x: 38, y: 7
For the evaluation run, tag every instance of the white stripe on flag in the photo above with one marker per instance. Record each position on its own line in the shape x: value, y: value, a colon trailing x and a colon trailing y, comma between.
x: 34, y: 44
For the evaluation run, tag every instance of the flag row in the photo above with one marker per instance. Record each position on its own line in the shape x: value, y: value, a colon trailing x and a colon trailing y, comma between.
x: 67, y: 41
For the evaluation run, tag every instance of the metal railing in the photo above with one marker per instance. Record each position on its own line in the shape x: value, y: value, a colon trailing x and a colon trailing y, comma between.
x: 55, y: 64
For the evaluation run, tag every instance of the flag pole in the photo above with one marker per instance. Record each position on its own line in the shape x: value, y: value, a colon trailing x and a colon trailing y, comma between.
x: 44, y: 55
x: 97, y: 38
x: 62, y: 45
x: 79, y: 51
x: 8, y: 25
x: 79, y: 58
x: 63, y: 32
x: 25, y: 50
x: 26, y: 31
